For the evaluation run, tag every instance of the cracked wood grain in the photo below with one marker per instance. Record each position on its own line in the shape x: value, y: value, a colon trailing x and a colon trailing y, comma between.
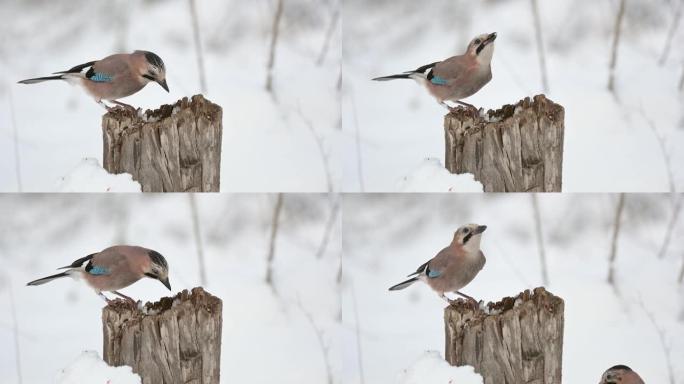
x: 178, y: 341
x: 518, y: 148
x: 520, y: 341
x: 176, y: 148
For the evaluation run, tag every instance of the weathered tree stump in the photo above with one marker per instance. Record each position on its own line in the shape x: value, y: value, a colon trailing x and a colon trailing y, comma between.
x: 176, y: 148
x: 519, y: 341
x: 175, y: 340
x: 518, y: 148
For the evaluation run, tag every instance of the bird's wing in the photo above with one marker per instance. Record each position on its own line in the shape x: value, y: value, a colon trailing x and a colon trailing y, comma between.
x: 77, y: 69
x: 108, y: 68
x: 434, y: 267
x: 79, y: 263
x: 88, y: 71
x: 450, y: 71
x: 106, y: 262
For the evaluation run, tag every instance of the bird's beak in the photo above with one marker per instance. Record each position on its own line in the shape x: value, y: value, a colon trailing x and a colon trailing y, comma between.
x: 166, y: 283
x: 479, y: 229
x: 491, y: 38
x: 166, y: 87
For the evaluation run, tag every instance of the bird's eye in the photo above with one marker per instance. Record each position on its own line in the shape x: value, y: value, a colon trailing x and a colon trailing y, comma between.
x: 466, y: 230
x: 477, y: 41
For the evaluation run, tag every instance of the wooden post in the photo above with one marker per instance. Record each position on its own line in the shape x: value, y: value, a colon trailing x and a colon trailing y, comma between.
x: 518, y: 148
x: 175, y: 340
x: 176, y: 148
x: 519, y: 341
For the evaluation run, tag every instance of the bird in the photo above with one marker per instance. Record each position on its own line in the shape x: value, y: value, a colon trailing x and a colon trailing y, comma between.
x: 454, y: 266
x: 620, y: 374
x: 457, y: 77
x: 113, y: 77
x: 115, y: 268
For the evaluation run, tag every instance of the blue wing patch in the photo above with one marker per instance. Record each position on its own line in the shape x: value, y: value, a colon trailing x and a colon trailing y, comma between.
x: 438, y: 80
x: 432, y: 273
x: 100, y: 77
x: 94, y: 270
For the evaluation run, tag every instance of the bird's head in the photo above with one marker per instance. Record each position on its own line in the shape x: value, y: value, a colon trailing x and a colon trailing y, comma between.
x: 154, y: 69
x: 482, y: 47
x: 468, y: 236
x: 158, y: 269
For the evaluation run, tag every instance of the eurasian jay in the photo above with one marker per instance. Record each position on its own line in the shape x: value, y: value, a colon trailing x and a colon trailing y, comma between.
x: 456, y: 77
x: 620, y: 374
x: 115, y: 268
x: 113, y: 77
x: 454, y: 266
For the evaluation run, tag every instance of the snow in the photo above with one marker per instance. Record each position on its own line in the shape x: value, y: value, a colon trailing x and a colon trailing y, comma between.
x: 431, y: 368
x: 89, y: 176
x: 387, y: 236
x: 267, y: 143
x: 430, y: 175
x: 59, y: 320
x: 90, y: 368
x: 608, y: 140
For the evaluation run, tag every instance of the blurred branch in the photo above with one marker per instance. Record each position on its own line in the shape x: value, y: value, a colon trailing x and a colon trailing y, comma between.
x: 357, y: 137
x: 198, y: 45
x: 339, y: 81
x: 321, y: 150
x: 671, y: 33
x: 680, y: 279
x: 325, y: 349
x: 616, y: 42
x: 663, y: 150
x: 17, y: 157
x: 274, y: 234
x: 332, y: 220
x: 676, y: 207
x: 540, y: 44
x: 328, y: 35
x: 359, y: 356
x: 16, y: 334
x: 274, y: 42
x: 198, y: 238
x: 663, y: 342
x: 540, y: 238
x: 614, y: 242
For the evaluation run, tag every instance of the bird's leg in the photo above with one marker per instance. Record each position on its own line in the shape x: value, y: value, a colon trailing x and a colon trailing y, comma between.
x: 443, y: 296
x: 469, y: 298
x: 463, y: 103
x: 104, y: 297
x: 129, y: 107
x: 124, y: 296
x: 105, y: 106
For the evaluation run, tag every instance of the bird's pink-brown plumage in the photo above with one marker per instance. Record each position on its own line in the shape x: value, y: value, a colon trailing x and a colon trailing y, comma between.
x: 126, y: 73
x: 125, y: 265
x: 457, y: 267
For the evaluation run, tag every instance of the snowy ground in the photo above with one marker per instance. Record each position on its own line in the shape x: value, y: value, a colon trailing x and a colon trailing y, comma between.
x: 385, y: 237
x: 57, y: 322
x: 267, y: 145
x: 610, y: 144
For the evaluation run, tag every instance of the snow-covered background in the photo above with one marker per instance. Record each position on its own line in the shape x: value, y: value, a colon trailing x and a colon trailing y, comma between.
x: 386, y: 335
x: 267, y: 145
x: 267, y: 337
x: 611, y: 144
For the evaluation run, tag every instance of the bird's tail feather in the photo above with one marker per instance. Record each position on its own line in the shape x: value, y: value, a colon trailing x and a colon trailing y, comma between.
x: 403, y: 284
x: 41, y: 79
x: 48, y: 278
x: 406, y: 75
